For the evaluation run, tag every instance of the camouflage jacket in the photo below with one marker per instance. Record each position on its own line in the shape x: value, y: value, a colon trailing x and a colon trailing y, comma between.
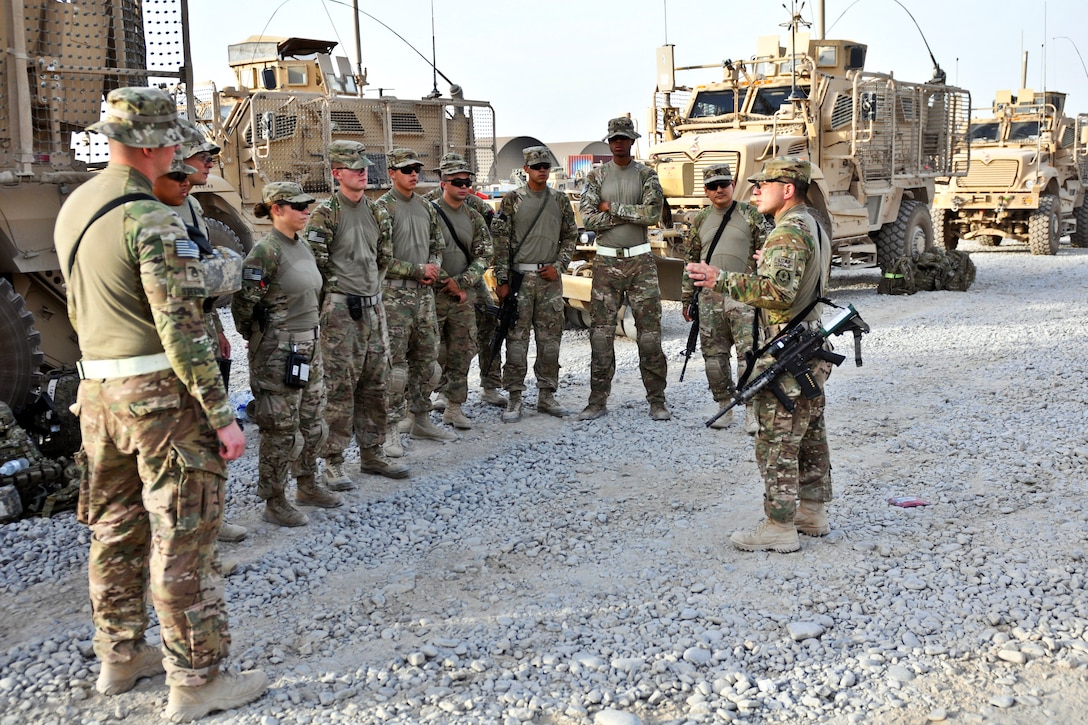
x: 137, y: 287
x: 399, y: 268
x: 503, y: 229
x: 790, y: 270
x: 645, y: 214
x: 480, y: 249
x: 321, y: 230
x: 694, y: 244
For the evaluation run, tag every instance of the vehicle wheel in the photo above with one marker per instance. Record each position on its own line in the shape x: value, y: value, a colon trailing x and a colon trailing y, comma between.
x: 20, y: 358
x: 576, y: 319
x: 944, y: 236
x: 625, y: 323
x: 1043, y: 227
x: 221, y: 235
x: 1079, y: 238
x: 988, y: 240
x: 910, y: 234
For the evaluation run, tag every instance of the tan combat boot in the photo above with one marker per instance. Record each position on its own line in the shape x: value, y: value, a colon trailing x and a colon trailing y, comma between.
x: 658, y: 411
x: 768, y: 535
x: 118, y: 677
x: 231, y: 533
x: 456, y: 417
x: 312, y: 493
x: 393, y: 446
x: 512, y: 414
x: 811, y: 518
x: 226, y: 692
x: 751, y: 422
x: 546, y: 403
x: 404, y: 425
x: 336, y: 479
x: 723, y: 420
x: 593, y: 411
x: 371, y: 460
x: 440, y: 403
x: 425, y: 429
x: 492, y: 396
x: 278, y: 511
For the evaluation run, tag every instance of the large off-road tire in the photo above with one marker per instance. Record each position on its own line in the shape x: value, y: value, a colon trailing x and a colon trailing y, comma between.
x: 1079, y: 238
x: 20, y: 358
x: 944, y: 236
x: 910, y: 234
x: 988, y: 240
x: 1044, y: 227
x: 221, y: 235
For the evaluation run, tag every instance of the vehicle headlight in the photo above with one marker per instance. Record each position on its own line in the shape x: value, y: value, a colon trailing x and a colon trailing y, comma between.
x: 1030, y: 184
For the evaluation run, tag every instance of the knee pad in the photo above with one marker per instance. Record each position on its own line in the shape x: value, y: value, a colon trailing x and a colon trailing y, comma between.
x: 717, y: 370
x: 551, y: 349
x: 649, y: 342
x: 398, y: 382
x: 600, y: 339
x: 518, y: 349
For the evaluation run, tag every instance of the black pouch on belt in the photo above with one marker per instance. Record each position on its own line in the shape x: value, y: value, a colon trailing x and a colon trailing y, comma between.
x: 298, y: 369
x: 355, y: 307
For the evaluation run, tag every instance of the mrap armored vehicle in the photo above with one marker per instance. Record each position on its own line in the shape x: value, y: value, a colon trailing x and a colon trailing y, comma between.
x: 879, y: 142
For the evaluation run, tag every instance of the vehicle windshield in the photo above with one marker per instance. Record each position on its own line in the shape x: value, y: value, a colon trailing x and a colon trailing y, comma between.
x: 1024, y: 131
x: 708, y: 104
x: 988, y: 131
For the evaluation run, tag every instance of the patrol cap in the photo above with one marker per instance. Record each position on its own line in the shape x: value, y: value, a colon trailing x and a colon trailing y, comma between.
x: 717, y: 172
x: 178, y: 165
x: 452, y: 163
x: 200, y: 145
x: 287, y: 191
x: 537, y: 155
x: 622, y: 126
x: 785, y: 167
x: 349, y: 154
x: 399, y: 158
x: 142, y: 118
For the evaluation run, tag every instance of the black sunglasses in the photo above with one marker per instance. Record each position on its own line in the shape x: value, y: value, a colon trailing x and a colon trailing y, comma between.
x: 460, y: 183
x: 715, y: 185
x: 178, y: 176
x: 296, y: 205
x: 414, y: 169
x: 540, y: 167
x: 758, y: 184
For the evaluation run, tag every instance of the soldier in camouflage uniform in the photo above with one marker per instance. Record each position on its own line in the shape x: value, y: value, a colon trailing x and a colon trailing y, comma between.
x: 408, y: 294
x: 352, y: 241
x: 277, y: 312
x: 621, y: 199
x: 791, y: 448
x: 157, y: 425
x: 466, y: 256
x: 723, y: 322
x: 535, y: 234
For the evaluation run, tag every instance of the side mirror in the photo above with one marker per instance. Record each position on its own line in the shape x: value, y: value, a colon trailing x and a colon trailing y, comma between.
x: 268, y: 79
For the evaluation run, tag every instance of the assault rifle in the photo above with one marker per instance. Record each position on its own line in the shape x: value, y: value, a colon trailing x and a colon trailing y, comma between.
x: 508, y: 317
x: 792, y: 350
x: 693, y: 333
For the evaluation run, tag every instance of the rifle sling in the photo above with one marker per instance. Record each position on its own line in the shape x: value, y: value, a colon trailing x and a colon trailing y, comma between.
x: 108, y: 207
x: 449, y: 225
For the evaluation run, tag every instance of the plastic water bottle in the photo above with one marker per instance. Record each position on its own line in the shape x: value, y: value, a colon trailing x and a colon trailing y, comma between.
x: 14, y: 466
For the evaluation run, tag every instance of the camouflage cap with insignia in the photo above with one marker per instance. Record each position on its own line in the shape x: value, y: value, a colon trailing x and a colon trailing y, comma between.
x: 452, y: 163
x: 349, y: 154
x: 142, y: 118
x: 537, y: 155
x: 178, y: 165
x: 717, y: 172
x: 287, y: 191
x: 399, y: 158
x: 622, y: 126
x: 785, y: 167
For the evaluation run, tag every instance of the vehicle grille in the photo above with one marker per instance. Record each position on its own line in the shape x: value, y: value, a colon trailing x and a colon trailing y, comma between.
x: 995, y: 175
x: 709, y: 159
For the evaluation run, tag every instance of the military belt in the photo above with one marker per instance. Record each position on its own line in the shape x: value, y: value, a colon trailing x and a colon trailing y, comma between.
x: 122, y: 367
x: 406, y: 283
x: 531, y: 268
x: 366, y: 300
x: 634, y: 251
x: 292, y: 337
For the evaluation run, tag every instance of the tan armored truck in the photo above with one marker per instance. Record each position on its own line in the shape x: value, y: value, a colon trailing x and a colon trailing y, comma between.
x: 293, y: 98
x: 879, y: 142
x: 1023, y: 179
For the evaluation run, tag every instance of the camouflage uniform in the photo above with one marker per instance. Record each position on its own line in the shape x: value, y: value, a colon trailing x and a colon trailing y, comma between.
x: 150, y: 404
x: 791, y: 448
x: 615, y: 277
x: 540, y: 302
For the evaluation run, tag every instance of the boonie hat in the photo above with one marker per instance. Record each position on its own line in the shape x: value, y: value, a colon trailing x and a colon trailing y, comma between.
x: 785, y: 167
x: 622, y: 126
x: 452, y: 163
x: 197, y: 144
x: 399, y: 158
x: 287, y: 191
x: 537, y: 155
x: 178, y: 165
x: 348, y: 153
x: 717, y: 172
x: 142, y: 118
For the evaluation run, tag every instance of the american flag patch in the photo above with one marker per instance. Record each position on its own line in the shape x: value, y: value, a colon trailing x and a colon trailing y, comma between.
x: 187, y: 249
x: 252, y: 274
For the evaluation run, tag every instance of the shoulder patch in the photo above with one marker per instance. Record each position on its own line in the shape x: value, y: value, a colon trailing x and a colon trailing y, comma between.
x: 783, y: 262
x: 783, y: 277
x: 187, y: 249
x: 315, y: 235
x: 252, y: 274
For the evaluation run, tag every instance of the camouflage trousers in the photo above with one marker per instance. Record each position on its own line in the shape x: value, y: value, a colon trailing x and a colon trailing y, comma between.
x: 540, y: 311
x: 613, y: 279
x: 152, y: 495
x: 355, y: 355
x: 721, y: 329
x: 292, y: 420
x: 791, y: 448
x: 485, y: 330
x: 413, y: 349
x: 456, y: 343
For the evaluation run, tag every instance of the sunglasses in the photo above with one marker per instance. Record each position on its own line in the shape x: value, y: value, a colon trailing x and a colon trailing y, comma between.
x: 178, y: 176
x: 540, y: 167
x: 460, y: 183
x: 758, y: 184
x: 414, y: 169
x: 715, y: 185
x: 203, y: 158
x: 296, y: 205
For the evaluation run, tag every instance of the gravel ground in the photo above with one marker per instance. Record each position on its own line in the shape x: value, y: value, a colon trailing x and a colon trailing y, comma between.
x: 564, y: 572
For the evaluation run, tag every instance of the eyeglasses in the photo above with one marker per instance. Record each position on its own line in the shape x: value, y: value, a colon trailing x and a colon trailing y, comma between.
x: 202, y: 158
x: 758, y: 184
x: 296, y: 205
x: 540, y: 167
x: 715, y: 185
x: 178, y: 176
x: 414, y: 169
x: 460, y: 183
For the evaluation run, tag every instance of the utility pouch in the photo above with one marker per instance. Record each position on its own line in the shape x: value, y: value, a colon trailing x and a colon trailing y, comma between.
x: 298, y: 369
x: 355, y: 307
